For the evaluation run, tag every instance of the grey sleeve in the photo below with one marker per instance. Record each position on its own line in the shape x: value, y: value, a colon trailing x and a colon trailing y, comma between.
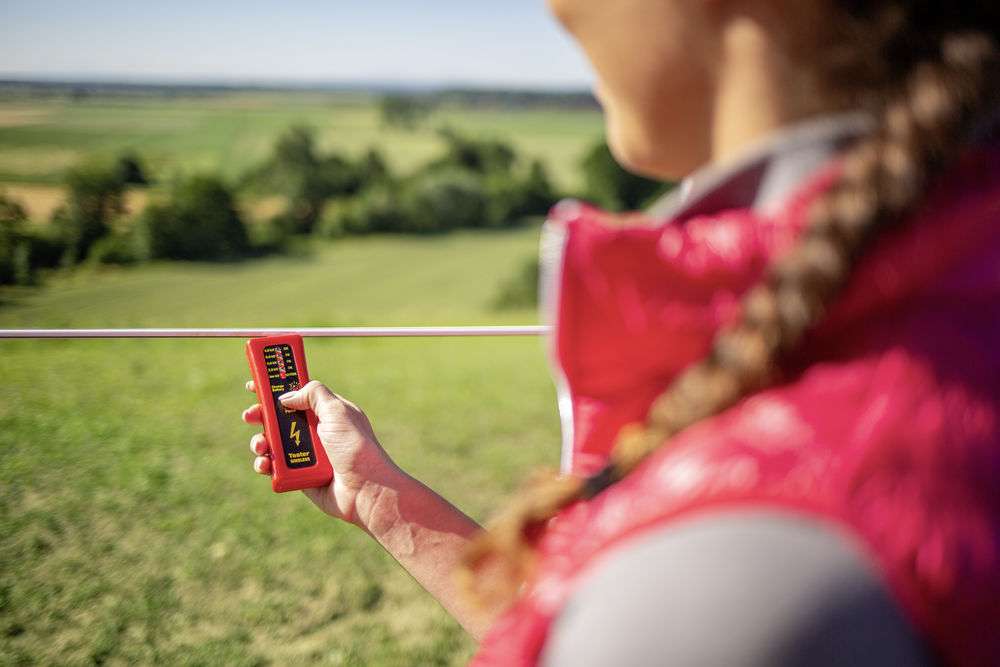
x: 735, y: 589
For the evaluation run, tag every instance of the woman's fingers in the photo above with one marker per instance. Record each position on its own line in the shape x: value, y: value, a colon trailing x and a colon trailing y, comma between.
x: 262, y: 464
x: 252, y: 415
x: 258, y: 445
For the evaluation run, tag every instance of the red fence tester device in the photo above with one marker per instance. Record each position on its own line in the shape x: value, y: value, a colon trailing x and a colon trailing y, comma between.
x: 298, y: 460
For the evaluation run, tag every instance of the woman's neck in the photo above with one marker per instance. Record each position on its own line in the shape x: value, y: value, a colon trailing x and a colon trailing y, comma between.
x: 762, y: 85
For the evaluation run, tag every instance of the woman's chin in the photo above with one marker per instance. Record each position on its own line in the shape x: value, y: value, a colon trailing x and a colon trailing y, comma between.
x: 643, y: 153
x: 643, y: 163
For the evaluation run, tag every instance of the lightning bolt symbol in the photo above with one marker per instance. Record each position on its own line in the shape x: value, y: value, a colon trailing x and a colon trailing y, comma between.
x: 295, y: 434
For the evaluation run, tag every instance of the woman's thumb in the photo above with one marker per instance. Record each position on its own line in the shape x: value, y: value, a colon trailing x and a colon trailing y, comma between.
x: 301, y: 399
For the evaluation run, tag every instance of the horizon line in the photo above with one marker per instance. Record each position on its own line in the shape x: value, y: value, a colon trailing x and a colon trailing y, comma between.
x: 316, y: 84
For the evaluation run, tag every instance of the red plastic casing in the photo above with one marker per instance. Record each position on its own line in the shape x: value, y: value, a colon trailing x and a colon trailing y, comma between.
x: 293, y: 465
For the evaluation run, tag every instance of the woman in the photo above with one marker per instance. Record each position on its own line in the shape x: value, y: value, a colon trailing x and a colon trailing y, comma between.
x: 781, y: 386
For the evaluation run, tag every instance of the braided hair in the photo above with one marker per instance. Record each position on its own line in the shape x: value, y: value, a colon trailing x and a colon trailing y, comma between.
x: 930, y: 73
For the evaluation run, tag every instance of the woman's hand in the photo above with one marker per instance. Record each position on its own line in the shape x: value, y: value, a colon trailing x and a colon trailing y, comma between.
x: 357, y: 458
x: 424, y: 532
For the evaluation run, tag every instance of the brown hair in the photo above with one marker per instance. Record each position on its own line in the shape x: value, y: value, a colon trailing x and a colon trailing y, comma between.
x: 931, y: 76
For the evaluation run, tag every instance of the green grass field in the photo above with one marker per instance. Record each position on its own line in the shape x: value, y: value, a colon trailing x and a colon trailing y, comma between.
x: 132, y: 529
x: 225, y: 133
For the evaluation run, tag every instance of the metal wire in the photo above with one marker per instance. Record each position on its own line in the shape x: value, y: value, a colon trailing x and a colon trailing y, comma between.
x: 313, y: 332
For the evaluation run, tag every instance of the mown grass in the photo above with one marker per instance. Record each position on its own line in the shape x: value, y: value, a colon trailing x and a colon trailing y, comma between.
x: 132, y: 529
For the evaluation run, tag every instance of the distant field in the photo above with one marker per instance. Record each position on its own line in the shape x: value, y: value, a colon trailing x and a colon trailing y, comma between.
x: 132, y: 530
x: 226, y: 133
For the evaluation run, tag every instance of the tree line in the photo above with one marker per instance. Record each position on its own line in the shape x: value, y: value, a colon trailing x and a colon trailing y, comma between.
x: 471, y: 183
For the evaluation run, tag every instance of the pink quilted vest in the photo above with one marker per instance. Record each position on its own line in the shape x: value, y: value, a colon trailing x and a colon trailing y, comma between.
x: 888, y: 427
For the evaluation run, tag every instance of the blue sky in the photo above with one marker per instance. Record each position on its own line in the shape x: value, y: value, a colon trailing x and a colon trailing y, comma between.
x: 486, y: 42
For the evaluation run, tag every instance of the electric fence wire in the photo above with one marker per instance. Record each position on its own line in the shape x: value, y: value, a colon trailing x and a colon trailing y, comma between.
x: 311, y: 332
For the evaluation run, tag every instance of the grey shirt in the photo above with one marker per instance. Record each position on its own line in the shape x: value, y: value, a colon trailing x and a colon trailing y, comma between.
x: 735, y: 589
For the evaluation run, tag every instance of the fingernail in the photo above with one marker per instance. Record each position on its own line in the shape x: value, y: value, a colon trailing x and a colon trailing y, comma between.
x: 287, y: 395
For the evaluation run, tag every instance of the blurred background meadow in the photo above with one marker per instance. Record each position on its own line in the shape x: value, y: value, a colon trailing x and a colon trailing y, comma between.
x: 132, y: 529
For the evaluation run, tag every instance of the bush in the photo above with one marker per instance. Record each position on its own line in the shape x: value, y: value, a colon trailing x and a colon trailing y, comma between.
x: 111, y: 249
x: 379, y: 209
x: 481, y: 156
x: 437, y: 200
x: 117, y: 248
x: 129, y: 170
x: 332, y: 177
x: 272, y: 235
x: 339, y: 217
x: 447, y: 200
x: 511, y: 199
x: 94, y: 197
x: 308, y: 179
x: 15, y: 267
x: 372, y: 169
x: 404, y: 111
x: 47, y: 247
x: 25, y: 248
x: 473, y: 184
x: 199, y: 223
